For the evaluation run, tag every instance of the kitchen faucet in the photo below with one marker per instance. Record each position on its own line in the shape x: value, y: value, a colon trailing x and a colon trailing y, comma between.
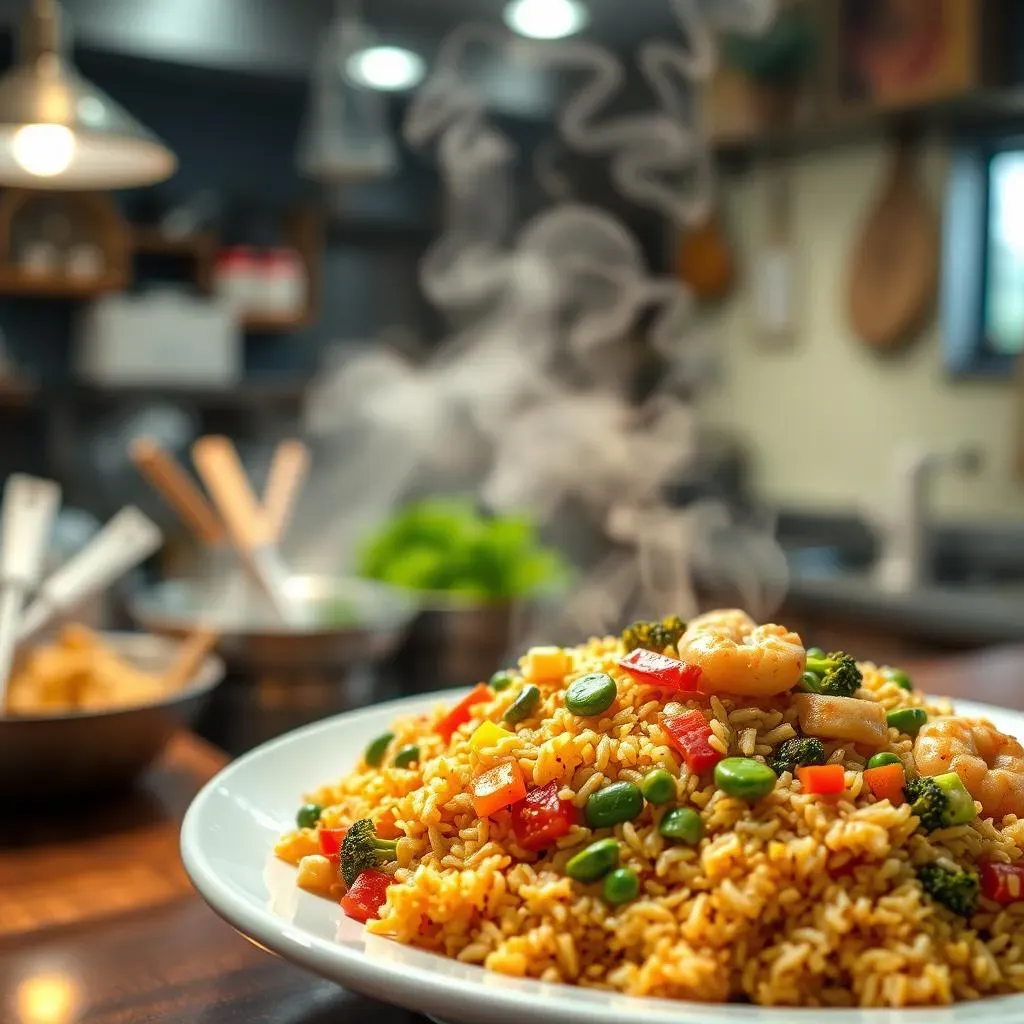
x: 903, y: 527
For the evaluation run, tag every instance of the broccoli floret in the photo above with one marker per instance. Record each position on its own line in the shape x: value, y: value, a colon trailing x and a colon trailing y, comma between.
x: 654, y: 636
x: 955, y: 890
x: 835, y: 675
x: 362, y: 849
x: 797, y: 752
x: 940, y: 802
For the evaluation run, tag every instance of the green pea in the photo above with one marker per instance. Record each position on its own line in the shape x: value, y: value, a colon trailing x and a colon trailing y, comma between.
x: 406, y: 756
x: 881, y: 760
x: 594, y: 862
x: 899, y: 677
x: 375, y: 752
x: 501, y: 681
x: 810, y: 681
x: 309, y: 815
x: 907, y: 720
x: 621, y: 801
x: 658, y: 786
x: 621, y: 886
x: 815, y: 652
x: 591, y: 694
x: 744, y: 777
x: 524, y: 705
x: 682, y: 824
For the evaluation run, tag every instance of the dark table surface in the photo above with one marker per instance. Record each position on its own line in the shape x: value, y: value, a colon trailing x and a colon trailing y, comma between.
x: 98, y: 923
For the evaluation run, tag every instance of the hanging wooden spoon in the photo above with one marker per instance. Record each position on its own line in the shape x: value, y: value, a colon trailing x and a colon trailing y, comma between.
x: 895, y: 268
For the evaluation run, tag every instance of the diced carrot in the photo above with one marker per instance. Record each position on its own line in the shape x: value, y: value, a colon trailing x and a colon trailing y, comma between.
x: 460, y: 714
x: 822, y: 779
x: 385, y: 826
x: 886, y: 782
x: 498, y: 787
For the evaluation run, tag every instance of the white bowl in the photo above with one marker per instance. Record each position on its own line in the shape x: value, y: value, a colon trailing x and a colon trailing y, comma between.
x: 227, y: 841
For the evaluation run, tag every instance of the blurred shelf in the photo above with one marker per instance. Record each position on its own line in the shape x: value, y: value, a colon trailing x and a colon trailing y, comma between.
x: 248, y: 395
x: 153, y: 240
x: 268, y: 323
x: 18, y: 282
x: 979, y: 112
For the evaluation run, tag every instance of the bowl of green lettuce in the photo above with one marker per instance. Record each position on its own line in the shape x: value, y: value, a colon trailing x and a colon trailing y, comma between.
x: 446, y: 547
x: 473, y: 576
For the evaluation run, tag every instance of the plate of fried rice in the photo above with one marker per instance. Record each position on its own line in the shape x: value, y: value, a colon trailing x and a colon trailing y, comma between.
x: 692, y: 823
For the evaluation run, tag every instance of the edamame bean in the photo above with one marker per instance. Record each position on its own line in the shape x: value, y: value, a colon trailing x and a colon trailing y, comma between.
x: 594, y: 862
x: 899, y: 677
x: 621, y: 886
x: 524, y: 705
x: 810, y: 681
x: 591, y: 694
x: 621, y: 801
x: 309, y: 815
x: 815, y: 652
x: 375, y: 752
x: 744, y: 777
x: 658, y: 786
x: 881, y: 760
x: 406, y: 756
x: 907, y: 720
x: 501, y: 681
x: 682, y: 824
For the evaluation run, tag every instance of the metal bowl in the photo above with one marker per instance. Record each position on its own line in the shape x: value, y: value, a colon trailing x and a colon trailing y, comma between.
x: 376, y: 617
x: 73, y: 753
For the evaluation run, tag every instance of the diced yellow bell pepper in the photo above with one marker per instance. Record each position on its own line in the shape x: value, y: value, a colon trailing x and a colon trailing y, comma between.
x: 488, y: 735
x: 547, y: 664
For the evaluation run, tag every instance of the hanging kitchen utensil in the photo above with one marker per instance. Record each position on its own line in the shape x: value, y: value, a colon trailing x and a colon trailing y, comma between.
x: 774, y: 264
x: 345, y: 136
x: 124, y: 542
x: 29, y: 508
x: 704, y: 259
x: 895, y: 269
x: 221, y: 470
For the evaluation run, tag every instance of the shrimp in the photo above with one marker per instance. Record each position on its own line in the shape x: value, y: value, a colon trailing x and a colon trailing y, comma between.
x: 990, y: 764
x: 738, y: 656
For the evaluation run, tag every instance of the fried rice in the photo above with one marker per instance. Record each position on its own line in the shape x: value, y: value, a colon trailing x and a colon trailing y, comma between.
x: 794, y: 899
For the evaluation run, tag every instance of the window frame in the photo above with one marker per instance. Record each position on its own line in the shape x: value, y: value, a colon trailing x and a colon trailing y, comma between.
x: 968, y: 353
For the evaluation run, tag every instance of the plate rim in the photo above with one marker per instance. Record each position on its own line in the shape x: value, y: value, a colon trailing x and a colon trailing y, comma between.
x: 437, y: 995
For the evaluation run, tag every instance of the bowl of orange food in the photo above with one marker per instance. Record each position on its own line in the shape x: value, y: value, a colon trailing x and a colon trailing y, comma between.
x: 88, y: 711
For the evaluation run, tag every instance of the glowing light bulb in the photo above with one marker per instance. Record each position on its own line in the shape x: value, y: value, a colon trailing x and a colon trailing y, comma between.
x: 389, y: 68
x: 546, y: 19
x: 44, y: 150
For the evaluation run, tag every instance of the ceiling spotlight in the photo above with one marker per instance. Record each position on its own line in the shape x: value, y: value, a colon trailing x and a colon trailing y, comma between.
x: 546, y: 19
x: 389, y: 68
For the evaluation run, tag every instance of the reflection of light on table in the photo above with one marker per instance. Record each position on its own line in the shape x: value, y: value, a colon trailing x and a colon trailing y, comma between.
x: 47, y: 999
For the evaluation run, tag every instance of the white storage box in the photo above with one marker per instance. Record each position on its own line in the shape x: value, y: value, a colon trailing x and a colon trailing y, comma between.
x: 160, y: 338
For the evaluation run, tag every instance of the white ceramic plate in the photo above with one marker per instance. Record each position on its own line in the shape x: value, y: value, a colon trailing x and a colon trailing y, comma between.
x: 226, y: 843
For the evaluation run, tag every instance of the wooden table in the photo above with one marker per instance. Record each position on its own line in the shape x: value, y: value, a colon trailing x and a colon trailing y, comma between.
x: 98, y: 923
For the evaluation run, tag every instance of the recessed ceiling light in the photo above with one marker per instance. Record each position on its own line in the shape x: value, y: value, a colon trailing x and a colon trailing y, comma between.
x: 546, y: 19
x: 390, y: 68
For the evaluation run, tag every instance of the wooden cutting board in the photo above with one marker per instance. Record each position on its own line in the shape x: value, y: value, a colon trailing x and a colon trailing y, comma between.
x: 894, y: 271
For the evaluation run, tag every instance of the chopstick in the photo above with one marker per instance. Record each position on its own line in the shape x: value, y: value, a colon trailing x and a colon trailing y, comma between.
x: 170, y: 480
x: 189, y: 657
x: 287, y: 474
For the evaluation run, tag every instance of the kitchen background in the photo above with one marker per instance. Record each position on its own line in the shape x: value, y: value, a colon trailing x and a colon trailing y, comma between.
x: 852, y: 341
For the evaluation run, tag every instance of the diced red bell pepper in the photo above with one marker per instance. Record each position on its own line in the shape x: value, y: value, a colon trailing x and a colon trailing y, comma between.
x: 1003, y: 883
x: 497, y: 788
x: 822, y: 779
x: 460, y: 714
x: 660, y: 670
x: 331, y: 840
x: 690, y: 733
x: 366, y: 895
x: 541, y: 818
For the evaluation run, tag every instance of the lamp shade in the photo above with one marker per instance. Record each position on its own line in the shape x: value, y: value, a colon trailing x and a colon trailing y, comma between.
x: 59, y: 131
